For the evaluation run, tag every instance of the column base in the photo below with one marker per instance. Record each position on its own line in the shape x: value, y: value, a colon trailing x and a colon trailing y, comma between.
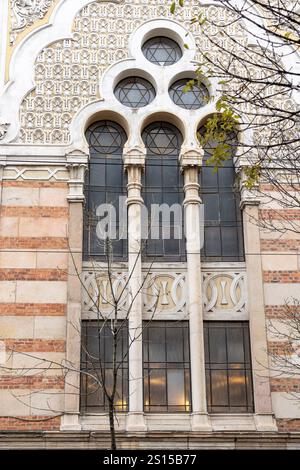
x: 265, y: 422
x: 70, y: 422
x: 201, y: 422
x: 135, y: 422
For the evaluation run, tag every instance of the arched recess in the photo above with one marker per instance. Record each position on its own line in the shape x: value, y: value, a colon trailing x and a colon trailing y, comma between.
x: 223, y: 225
x: 163, y: 192
x: 105, y: 229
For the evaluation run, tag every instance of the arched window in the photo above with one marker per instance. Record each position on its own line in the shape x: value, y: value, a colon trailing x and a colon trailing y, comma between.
x: 105, y: 185
x: 163, y: 193
x: 223, y: 228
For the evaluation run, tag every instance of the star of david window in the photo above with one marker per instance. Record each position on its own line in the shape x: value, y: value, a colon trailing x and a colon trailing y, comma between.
x: 163, y: 185
x: 193, y: 98
x: 134, y: 92
x: 105, y: 183
x: 162, y: 51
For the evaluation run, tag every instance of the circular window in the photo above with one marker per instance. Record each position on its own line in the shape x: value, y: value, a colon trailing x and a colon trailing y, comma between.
x: 186, y: 97
x: 134, y: 92
x: 105, y: 137
x: 162, y: 51
x: 161, y: 138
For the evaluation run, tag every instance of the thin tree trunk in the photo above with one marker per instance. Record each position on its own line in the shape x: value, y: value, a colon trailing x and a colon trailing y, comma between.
x: 112, y: 427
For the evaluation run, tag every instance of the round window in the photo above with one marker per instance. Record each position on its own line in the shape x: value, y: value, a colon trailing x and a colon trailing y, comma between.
x: 188, y: 97
x: 134, y: 92
x: 162, y: 51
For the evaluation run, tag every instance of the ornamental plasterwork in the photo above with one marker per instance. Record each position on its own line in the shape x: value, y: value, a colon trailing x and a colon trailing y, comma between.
x: 68, y: 72
x: 224, y: 292
x: 164, y: 293
x: 26, y: 12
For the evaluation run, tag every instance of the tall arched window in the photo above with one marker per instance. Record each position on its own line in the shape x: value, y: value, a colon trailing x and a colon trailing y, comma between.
x: 223, y: 228
x: 105, y: 184
x: 163, y: 193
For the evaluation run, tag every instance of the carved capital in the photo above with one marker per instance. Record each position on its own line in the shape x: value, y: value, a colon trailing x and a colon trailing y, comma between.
x: 76, y: 181
x: 134, y: 156
x: 191, y: 157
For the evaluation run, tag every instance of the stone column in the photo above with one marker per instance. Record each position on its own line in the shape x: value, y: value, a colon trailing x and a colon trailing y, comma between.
x: 4, y: 22
x: 134, y: 159
x: 77, y: 168
x: 264, y: 418
x: 190, y: 163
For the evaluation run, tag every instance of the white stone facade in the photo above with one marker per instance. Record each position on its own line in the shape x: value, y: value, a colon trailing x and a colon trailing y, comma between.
x: 59, y: 63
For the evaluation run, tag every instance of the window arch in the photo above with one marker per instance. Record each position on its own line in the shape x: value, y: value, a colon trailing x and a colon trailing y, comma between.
x: 223, y: 227
x: 105, y: 183
x: 163, y: 184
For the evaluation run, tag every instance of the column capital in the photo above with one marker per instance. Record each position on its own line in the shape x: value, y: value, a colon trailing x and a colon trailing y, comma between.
x: 249, y: 197
x: 191, y: 157
x: 77, y: 163
x: 134, y: 156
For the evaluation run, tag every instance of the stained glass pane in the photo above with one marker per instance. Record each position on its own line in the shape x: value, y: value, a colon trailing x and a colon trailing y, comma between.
x: 162, y: 51
x: 193, y: 98
x: 135, y: 92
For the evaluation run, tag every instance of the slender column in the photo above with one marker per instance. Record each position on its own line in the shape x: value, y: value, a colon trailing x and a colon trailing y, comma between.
x: 70, y: 420
x: 262, y: 394
x: 200, y: 418
x: 135, y: 418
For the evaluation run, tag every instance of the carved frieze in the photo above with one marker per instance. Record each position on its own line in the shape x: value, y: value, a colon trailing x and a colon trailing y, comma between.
x: 26, y: 12
x: 225, y: 293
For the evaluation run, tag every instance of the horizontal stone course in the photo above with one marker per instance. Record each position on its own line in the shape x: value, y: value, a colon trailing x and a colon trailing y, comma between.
x: 35, y: 345
x: 29, y: 309
x: 33, y: 275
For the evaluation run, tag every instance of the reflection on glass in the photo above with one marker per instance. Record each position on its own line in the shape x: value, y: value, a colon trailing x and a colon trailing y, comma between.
x: 166, y: 367
x: 228, y: 367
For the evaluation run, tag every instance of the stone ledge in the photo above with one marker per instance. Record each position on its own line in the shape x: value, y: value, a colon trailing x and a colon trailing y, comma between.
x: 151, y: 440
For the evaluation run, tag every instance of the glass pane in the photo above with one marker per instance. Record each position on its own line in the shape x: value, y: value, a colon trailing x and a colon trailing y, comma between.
x: 227, y: 207
x: 157, y: 352
x: 237, y: 388
x: 217, y: 345
x: 212, y: 241
x: 211, y: 207
x: 193, y: 97
x: 235, y: 345
x: 219, y: 388
x: 229, y: 241
x: 176, y: 393
x: 162, y: 51
x: 134, y: 92
x: 158, y: 391
x: 174, y: 342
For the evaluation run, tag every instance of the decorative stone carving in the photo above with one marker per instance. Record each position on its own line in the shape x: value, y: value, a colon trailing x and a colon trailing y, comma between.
x: 224, y: 293
x: 36, y: 173
x: 3, y: 129
x: 165, y: 293
x: 68, y: 72
x: 97, y: 292
x: 25, y: 12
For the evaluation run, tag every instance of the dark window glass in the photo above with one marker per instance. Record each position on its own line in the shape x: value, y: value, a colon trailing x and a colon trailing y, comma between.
x: 223, y: 228
x: 96, y: 361
x: 163, y: 184
x: 166, y: 367
x: 135, y: 92
x: 195, y: 97
x: 105, y: 183
x: 162, y: 51
x: 228, y: 367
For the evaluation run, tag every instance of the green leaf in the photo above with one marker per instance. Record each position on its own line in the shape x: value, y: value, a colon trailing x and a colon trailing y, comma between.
x: 181, y: 3
x: 172, y: 8
x: 186, y: 46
